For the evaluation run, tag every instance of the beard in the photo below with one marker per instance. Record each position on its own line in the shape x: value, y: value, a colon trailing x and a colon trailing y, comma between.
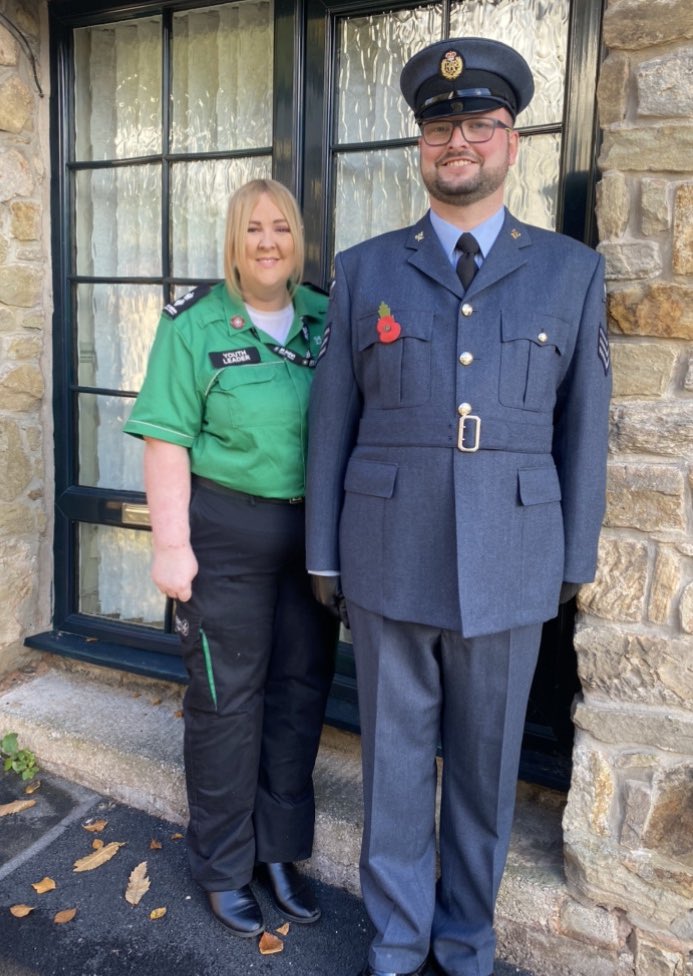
x: 484, y: 183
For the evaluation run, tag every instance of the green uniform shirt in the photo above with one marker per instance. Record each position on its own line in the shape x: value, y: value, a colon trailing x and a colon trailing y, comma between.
x: 214, y: 385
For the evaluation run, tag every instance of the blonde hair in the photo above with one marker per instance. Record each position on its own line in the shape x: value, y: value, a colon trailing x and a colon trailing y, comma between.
x: 241, y: 205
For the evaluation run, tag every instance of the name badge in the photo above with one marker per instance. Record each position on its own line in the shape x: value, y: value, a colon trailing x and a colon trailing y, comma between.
x: 234, y: 357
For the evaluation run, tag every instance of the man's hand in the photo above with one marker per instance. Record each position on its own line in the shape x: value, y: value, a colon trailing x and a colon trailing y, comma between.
x: 328, y: 591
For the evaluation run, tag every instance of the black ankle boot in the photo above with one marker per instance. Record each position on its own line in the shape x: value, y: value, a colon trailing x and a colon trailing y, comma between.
x: 238, y: 910
x: 290, y: 891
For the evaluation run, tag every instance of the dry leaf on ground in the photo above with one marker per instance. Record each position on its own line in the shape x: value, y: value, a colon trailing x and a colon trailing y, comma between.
x: 95, y: 826
x: 46, y: 884
x: 269, y: 944
x: 20, y: 911
x: 154, y: 701
x: 98, y: 858
x: 176, y: 837
x: 65, y: 916
x: 138, y: 884
x: 157, y: 913
x: 155, y: 845
x: 16, y: 806
x: 283, y: 929
x: 98, y: 843
x: 178, y: 714
x: 32, y: 787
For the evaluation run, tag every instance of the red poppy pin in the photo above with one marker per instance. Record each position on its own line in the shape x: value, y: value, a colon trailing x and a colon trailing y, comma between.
x: 388, y: 328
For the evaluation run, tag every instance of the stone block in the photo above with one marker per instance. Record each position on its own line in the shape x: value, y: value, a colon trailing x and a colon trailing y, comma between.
x: 21, y: 388
x: 642, y: 496
x: 15, y: 470
x: 612, y: 88
x: 636, y: 806
x: 669, y: 826
x: 8, y: 48
x: 654, y: 960
x: 25, y: 220
x: 666, y: 583
x: 688, y: 379
x: 592, y: 793
x: 591, y: 924
x: 18, y: 568
x: 663, y: 428
x: 618, y: 591
x: 682, y: 257
x: 8, y: 319
x: 655, y: 206
x: 20, y: 285
x: 613, y: 205
x: 24, y: 347
x: 16, y: 104
x: 686, y: 609
x: 547, y: 954
x: 16, y: 179
x: 644, y: 149
x: 665, y: 85
x: 637, y: 24
x: 637, y: 726
x: 662, y: 309
x: 628, y: 260
x: 642, y: 369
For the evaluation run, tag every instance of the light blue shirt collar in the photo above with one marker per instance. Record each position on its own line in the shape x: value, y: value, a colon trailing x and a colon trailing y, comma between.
x: 485, y: 233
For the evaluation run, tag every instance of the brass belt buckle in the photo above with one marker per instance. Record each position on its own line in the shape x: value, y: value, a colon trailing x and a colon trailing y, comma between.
x: 467, y: 416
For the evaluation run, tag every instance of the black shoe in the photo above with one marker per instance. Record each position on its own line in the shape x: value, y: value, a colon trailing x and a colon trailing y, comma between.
x: 290, y: 891
x: 368, y: 971
x: 238, y: 910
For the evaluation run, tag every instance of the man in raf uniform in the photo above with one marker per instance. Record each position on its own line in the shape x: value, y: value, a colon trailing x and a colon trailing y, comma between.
x: 455, y: 494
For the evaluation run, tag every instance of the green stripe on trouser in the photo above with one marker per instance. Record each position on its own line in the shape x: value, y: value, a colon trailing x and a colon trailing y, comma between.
x: 208, y: 666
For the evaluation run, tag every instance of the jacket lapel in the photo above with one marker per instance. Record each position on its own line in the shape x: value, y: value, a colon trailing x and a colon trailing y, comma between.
x: 428, y: 256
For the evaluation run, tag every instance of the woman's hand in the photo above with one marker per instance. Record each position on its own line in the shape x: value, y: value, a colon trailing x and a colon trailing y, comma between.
x: 173, y: 570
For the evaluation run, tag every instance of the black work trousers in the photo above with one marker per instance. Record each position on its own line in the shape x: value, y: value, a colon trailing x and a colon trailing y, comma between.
x: 259, y: 651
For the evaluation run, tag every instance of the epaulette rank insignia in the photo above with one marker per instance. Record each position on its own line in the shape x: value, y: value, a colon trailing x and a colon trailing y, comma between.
x: 186, y: 301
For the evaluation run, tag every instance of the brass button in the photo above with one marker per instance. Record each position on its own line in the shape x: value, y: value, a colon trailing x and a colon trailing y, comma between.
x: 466, y: 359
x: 542, y: 337
x: 464, y: 409
x: 467, y: 310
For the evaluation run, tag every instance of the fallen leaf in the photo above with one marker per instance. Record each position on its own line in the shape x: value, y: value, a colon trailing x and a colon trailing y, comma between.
x: 98, y: 843
x: 155, y: 845
x: 32, y: 787
x: 41, y: 887
x: 155, y: 701
x: 98, y: 858
x: 16, y: 806
x: 283, y: 929
x: 20, y: 911
x: 176, y: 837
x: 65, y: 916
x: 157, y: 913
x: 178, y: 714
x: 95, y: 826
x: 138, y: 884
x: 270, y: 944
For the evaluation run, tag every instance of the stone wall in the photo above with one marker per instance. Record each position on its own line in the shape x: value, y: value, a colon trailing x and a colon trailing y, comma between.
x: 628, y: 826
x: 25, y: 310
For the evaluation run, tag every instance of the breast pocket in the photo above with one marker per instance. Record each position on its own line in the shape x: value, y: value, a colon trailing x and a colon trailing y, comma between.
x: 398, y: 373
x: 240, y: 397
x: 530, y: 365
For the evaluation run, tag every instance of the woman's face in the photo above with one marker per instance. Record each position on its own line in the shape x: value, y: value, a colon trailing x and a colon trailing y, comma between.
x: 269, y: 257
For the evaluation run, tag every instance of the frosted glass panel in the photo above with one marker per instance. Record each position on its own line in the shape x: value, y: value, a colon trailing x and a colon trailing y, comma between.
x: 372, y: 53
x: 108, y: 458
x: 531, y: 191
x: 116, y: 326
x: 114, y: 580
x: 538, y: 29
x: 200, y: 192
x: 118, y: 90
x: 376, y: 192
x: 118, y: 221
x: 222, y: 78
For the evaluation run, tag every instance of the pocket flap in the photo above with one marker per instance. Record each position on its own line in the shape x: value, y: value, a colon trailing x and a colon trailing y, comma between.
x: 538, y: 485
x: 370, y: 478
x: 413, y: 323
x: 231, y: 377
x: 542, y: 330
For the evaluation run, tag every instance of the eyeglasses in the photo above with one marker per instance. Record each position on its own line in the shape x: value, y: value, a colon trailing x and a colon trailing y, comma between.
x: 438, y: 132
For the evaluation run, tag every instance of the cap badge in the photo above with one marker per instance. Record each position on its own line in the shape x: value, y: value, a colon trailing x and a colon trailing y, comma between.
x: 452, y: 65
x: 237, y: 322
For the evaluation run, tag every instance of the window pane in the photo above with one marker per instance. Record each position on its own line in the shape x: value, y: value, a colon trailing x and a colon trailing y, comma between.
x: 538, y: 29
x: 114, y: 580
x: 108, y: 458
x: 118, y: 221
x: 118, y: 90
x: 222, y: 78
x: 376, y: 191
x: 532, y: 188
x: 116, y: 326
x: 199, y: 195
x: 371, y: 54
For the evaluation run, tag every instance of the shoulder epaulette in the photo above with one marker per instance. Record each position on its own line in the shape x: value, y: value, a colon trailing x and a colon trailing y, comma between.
x: 312, y: 287
x: 186, y: 301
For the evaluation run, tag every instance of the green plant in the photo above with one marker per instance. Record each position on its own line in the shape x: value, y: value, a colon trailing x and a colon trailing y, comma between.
x: 19, y: 761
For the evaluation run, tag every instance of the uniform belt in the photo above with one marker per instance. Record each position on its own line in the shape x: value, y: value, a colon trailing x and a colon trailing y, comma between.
x: 383, y: 430
x: 242, y: 495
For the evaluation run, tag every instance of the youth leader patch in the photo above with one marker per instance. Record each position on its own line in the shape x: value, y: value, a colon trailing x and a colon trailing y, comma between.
x: 234, y: 357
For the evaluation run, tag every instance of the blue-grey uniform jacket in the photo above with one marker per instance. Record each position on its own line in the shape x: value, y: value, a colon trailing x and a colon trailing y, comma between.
x: 456, y: 473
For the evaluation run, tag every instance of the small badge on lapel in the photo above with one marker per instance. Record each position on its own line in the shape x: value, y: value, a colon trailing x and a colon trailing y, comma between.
x: 388, y: 328
x: 419, y: 237
x: 237, y: 322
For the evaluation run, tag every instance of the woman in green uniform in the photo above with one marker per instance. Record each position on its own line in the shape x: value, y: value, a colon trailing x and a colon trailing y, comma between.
x: 223, y: 414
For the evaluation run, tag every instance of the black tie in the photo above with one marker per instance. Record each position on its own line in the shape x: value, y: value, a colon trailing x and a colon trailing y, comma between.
x: 466, y: 266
